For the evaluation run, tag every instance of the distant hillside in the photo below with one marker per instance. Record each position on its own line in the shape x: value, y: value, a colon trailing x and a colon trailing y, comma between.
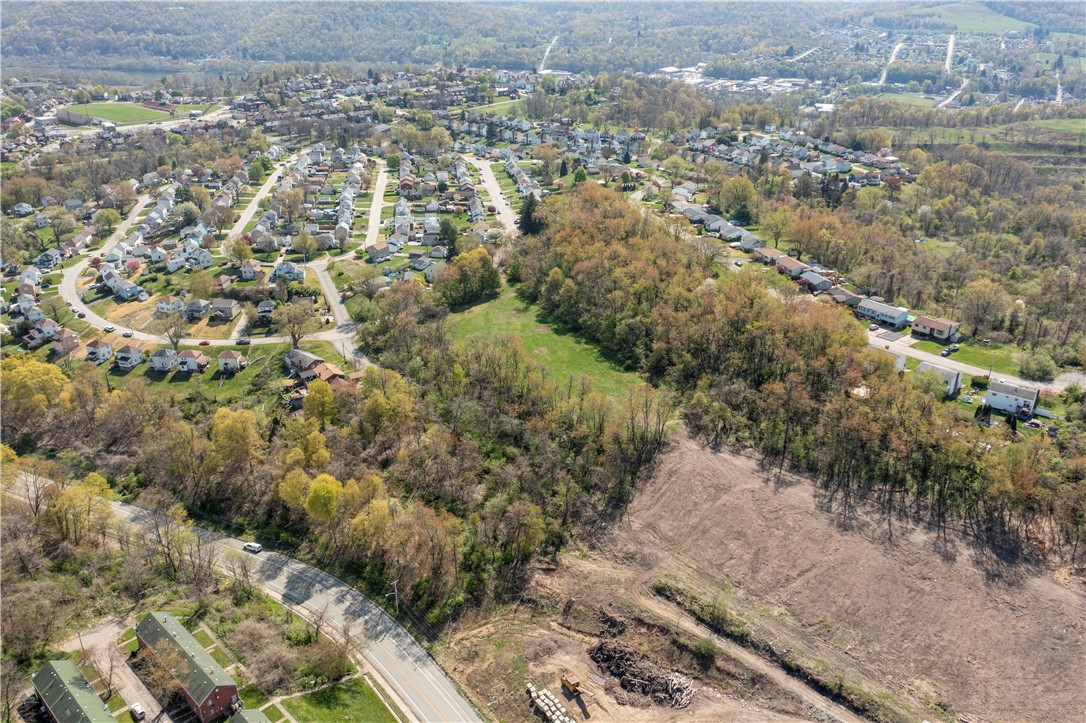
x: 164, y: 37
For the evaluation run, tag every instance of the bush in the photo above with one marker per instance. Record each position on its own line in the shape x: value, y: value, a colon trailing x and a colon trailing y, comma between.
x: 979, y: 382
x: 1039, y: 366
x: 705, y: 650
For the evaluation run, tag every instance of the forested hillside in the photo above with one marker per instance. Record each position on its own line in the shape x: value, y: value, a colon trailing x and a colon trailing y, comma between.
x: 618, y: 36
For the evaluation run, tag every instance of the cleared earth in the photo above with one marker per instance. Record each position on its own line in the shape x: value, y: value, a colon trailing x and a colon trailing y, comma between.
x: 920, y: 626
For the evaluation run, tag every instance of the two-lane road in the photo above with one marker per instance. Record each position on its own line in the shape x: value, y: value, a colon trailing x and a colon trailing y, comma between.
x: 396, y: 658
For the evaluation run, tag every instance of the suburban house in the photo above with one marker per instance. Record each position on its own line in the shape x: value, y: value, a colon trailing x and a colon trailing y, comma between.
x: 299, y: 361
x: 1012, y: 398
x: 939, y: 329
x: 791, y: 267
x: 289, y: 271
x: 250, y: 269
x: 67, y: 696
x: 192, y: 361
x: 379, y: 252
x: 892, y: 316
x: 169, y: 305
x: 128, y: 357
x: 198, y: 309
x: 264, y: 310
x: 225, y: 309
x: 98, y: 351
x: 231, y: 361
x: 324, y: 371
x: 767, y: 255
x: 953, y: 379
x: 815, y: 282
x: 163, y: 360
x: 65, y: 341
x: 209, y: 691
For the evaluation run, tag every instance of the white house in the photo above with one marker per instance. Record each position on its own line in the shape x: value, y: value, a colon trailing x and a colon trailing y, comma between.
x: 170, y: 304
x: 231, y: 361
x: 128, y: 357
x: 893, y: 316
x: 1012, y: 398
x: 191, y: 360
x: 99, y: 351
x: 250, y: 269
x: 164, y: 360
x: 952, y: 378
x: 940, y: 329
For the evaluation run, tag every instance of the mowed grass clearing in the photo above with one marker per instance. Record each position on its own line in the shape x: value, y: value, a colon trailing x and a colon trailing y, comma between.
x: 562, y: 353
x: 351, y: 702
x: 121, y: 112
x: 972, y: 17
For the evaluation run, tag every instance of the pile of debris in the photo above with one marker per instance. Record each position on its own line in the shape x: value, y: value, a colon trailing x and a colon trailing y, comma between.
x: 548, y: 704
x: 638, y: 675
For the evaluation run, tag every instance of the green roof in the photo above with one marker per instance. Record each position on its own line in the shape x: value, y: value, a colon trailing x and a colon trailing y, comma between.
x: 200, y: 674
x: 68, y: 696
x: 249, y: 716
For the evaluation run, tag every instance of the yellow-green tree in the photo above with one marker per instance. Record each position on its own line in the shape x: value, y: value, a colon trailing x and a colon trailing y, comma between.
x: 29, y: 388
x: 234, y: 440
x: 320, y: 403
x: 79, y: 509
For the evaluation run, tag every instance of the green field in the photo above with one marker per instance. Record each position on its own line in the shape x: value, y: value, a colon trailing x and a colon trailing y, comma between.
x: 184, y: 108
x: 999, y: 358
x: 561, y: 352
x: 971, y: 17
x: 121, y: 112
x: 912, y: 98
x: 1069, y: 62
x: 351, y: 702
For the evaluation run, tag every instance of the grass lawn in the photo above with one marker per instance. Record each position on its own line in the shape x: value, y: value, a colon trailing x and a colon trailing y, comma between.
x: 978, y: 355
x: 973, y: 17
x: 912, y: 98
x: 203, y: 638
x: 115, y: 703
x: 184, y: 108
x: 562, y: 353
x: 221, y: 657
x: 252, y: 696
x: 125, y: 717
x: 354, y: 700
x: 274, y: 713
x: 121, y: 112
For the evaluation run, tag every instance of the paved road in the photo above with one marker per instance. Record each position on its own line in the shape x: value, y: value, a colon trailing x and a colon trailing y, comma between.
x: 506, y: 216
x: 269, y: 185
x: 904, y: 346
x: 402, y: 665
x: 377, y: 203
x: 893, y: 57
x: 949, y: 54
x: 950, y: 98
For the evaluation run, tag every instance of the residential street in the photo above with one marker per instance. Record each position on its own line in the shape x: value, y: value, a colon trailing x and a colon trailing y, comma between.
x: 506, y: 216
x: 403, y: 666
x: 373, y: 225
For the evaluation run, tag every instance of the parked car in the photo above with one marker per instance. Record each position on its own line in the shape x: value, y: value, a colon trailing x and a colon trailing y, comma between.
x: 108, y: 329
x: 954, y: 347
x: 137, y: 711
x: 127, y: 335
x: 81, y: 315
x: 253, y: 547
x: 244, y: 341
x: 945, y: 352
x: 873, y: 327
x: 205, y: 342
x: 737, y: 262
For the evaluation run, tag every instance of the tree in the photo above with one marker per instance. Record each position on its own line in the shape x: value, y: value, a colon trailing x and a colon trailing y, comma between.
x: 893, y: 185
x: 62, y: 222
x: 173, y: 327
x: 320, y: 403
x: 295, y: 320
x: 579, y: 176
x: 219, y: 217
x: 187, y: 213
x: 201, y: 285
x: 735, y: 193
x: 982, y: 304
x: 106, y: 220
x: 304, y: 244
x: 78, y: 509
x: 29, y: 388
x: 529, y: 221
x: 55, y: 307
x: 547, y: 155
x: 563, y: 169
x: 470, y: 277
x: 256, y: 173
x: 448, y: 233
x: 676, y: 166
x: 157, y: 671
x: 237, y: 250
x: 776, y: 222
x: 200, y: 196
x: 235, y: 442
x: 116, y: 195
x: 291, y: 202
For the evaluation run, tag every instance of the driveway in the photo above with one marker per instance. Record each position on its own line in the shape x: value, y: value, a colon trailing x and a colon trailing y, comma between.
x: 98, y: 642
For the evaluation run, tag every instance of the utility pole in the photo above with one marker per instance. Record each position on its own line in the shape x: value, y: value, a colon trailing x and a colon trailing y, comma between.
x: 395, y: 593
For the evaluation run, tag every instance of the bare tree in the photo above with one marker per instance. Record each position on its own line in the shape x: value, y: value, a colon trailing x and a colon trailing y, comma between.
x: 172, y: 326
x: 240, y: 567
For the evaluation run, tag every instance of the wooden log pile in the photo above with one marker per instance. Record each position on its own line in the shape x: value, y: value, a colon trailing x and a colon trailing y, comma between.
x: 638, y: 675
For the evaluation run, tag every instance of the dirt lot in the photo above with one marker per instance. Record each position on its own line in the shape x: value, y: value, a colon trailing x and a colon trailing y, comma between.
x: 928, y: 631
x: 987, y: 640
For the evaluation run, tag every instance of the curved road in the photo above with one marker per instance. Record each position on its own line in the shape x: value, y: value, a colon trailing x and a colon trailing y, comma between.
x: 403, y: 666
x: 893, y: 57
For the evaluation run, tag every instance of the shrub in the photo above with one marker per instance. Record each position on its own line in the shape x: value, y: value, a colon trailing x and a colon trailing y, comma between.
x: 1038, y: 366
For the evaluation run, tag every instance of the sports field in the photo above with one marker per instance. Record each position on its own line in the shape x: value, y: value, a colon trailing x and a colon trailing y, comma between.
x: 120, y: 112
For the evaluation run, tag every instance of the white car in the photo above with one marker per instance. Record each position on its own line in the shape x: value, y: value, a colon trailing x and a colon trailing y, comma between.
x: 253, y: 547
x: 108, y: 329
x: 873, y: 327
x: 137, y: 711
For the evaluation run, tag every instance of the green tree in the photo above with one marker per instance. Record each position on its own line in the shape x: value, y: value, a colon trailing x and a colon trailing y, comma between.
x: 320, y: 403
x: 448, y: 232
x: 106, y: 220
x: 304, y: 244
x: 470, y: 277
x: 295, y: 320
x: 187, y: 213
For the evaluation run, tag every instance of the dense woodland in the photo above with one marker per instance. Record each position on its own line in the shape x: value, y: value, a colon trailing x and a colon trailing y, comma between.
x: 794, y: 379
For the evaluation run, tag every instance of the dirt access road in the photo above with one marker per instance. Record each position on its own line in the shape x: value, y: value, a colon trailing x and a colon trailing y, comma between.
x: 888, y: 607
